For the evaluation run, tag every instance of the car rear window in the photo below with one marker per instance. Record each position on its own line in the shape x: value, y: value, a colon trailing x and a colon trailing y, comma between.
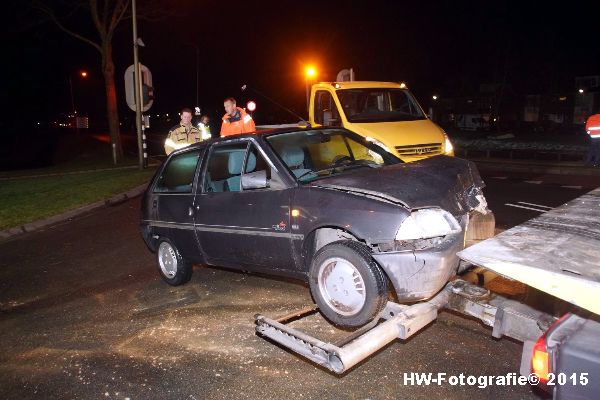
x: 178, y: 174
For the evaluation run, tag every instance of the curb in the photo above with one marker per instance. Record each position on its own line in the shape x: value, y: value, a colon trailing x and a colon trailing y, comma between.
x: 33, y: 226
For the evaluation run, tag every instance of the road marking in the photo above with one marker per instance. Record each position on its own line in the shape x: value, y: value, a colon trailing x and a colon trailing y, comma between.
x: 499, y: 177
x: 533, y: 182
x: 534, y: 205
x: 527, y: 208
x: 573, y: 187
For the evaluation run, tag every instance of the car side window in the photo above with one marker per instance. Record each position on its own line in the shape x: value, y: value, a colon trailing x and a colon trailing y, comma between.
x: 178, y: 175
x: 326, y: 112
x: 224, y: 168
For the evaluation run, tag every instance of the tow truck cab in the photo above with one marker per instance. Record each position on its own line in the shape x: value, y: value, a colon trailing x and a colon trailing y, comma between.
x: 385, y: 113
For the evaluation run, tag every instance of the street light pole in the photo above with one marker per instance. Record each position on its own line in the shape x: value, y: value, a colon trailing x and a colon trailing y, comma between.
x: 72, y: 97
x: 309, y: 73
x: 137, y: 81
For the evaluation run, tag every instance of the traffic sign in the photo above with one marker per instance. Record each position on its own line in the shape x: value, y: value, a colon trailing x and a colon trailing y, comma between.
x: 130, y: 86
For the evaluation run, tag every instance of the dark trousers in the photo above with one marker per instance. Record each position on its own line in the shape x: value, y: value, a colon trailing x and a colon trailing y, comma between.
x: 593, y: 157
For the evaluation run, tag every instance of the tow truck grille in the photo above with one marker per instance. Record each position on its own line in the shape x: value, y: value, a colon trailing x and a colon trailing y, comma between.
x: 416, y: 150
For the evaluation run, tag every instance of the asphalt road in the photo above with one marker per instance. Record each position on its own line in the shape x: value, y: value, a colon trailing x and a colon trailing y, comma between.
x: 84, y: 314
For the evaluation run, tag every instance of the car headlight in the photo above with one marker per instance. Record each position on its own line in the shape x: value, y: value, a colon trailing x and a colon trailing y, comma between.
x: 378, y: 143
x: 427, y: 223
x: 448, y: 148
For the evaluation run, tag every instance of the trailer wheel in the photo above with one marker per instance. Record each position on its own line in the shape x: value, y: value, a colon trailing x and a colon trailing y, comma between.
x: 173, y: 268
x: 347, y: 284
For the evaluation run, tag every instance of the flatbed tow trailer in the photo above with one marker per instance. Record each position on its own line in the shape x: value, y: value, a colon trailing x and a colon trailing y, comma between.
x: 557, y: 252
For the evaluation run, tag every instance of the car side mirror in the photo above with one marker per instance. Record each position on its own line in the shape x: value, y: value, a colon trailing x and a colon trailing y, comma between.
x: 255, y: 180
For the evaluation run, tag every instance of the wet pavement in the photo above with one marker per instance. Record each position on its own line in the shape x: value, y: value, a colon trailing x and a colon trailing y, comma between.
x: 84, y: 314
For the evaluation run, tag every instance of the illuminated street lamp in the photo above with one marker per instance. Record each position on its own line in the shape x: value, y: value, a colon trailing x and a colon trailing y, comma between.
x: 309, y: 74
x: 581, y: 91
x: 434, y: 97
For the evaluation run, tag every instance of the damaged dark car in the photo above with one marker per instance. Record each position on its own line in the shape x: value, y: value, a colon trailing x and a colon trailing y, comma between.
x: 321, y: 205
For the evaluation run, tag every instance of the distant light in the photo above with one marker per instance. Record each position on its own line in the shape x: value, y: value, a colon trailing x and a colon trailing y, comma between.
x: 83, y: 74
x: 562, y: 98
x: 434, y: 97
x: 39, y: 123
x: 403, y: 85
x: 295, y: 213
x: 166, y: 115
x: 310, y: 72
x: 495, y: 120
x: 251, y: 105
x: 580, y: 90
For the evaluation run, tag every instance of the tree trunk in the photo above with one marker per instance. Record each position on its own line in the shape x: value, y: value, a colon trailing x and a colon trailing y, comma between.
x: 108, y: 70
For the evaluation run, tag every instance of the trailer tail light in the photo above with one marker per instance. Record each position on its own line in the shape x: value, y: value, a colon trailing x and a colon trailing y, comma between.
x: 541, y: 359
x: 540, y: 362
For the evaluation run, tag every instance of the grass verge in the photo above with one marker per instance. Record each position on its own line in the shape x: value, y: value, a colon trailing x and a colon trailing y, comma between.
x: 26, y: 199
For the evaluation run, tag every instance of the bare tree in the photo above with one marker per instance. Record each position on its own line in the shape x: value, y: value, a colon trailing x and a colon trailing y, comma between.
x: 106, y: 16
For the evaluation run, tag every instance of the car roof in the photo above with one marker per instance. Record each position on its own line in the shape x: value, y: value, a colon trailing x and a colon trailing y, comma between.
x: 260, y: 133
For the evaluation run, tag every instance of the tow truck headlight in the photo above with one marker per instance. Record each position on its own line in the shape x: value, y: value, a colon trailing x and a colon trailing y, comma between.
x: 448, y: 148
x: 427, y: 223
x: 378, y: 143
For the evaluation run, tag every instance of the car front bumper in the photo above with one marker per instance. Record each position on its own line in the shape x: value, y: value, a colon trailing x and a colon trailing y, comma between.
x: 419, y: 274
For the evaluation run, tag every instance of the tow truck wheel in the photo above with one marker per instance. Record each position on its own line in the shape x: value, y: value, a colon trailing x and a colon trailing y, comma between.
x: 347, y: 284
x: 173, y: 268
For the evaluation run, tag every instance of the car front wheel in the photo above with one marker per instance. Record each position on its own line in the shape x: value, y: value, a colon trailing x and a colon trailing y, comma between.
x: 347, y: 284
x: 173, y: 268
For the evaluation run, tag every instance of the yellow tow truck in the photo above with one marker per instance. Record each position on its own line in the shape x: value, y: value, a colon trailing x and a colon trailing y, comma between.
x: 385, y: 113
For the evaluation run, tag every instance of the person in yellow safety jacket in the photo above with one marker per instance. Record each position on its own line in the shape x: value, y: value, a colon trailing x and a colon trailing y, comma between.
x: 235, y: 120
x: 204, y: 128
x: 183, y: 134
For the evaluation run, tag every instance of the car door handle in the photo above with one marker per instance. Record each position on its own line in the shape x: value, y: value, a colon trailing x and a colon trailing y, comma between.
x: 190, y: 211
x: 154, y: 203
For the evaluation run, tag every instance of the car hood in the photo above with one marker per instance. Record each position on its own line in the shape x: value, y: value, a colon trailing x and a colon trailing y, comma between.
x: 450, y: 183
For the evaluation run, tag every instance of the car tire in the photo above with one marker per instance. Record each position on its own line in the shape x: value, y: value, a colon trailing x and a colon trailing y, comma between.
x: 347, y: 284
x: 173, y: 268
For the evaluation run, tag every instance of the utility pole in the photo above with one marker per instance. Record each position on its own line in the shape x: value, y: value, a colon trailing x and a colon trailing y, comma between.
x: 197, y: 67
x: 137, y: 80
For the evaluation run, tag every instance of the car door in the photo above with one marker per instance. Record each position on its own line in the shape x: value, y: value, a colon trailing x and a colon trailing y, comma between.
x: 241, y: 228
x: 173, y: 197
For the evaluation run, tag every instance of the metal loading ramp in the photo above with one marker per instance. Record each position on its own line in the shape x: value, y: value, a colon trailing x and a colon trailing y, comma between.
x: 396, y: 321
x: 557, y: 252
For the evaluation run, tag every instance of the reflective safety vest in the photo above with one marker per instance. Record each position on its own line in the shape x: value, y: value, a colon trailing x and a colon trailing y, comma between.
x: 234, y: 126
x: 204, y: 131
x: 592, y: 126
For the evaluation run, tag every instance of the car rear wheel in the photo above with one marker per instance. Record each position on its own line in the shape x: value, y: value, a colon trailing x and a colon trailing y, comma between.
x: 173, y: 268
x: 347, y: 284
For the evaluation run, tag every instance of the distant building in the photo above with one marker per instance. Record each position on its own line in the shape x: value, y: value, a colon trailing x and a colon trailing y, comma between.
x: 587, y: 100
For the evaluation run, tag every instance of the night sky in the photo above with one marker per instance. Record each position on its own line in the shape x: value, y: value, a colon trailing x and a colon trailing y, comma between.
x: 444, y: 48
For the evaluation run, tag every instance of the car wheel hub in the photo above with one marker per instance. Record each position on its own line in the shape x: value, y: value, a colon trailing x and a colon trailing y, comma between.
x: 167, y: 258
x: 341, y: 286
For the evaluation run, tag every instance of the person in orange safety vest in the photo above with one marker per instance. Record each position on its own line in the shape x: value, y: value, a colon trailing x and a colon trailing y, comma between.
x: 592, y: 127
x: 235, y: 120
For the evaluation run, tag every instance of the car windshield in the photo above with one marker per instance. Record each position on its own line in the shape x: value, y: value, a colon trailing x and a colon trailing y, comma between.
x: 379, y: 105
x: 314, y: 154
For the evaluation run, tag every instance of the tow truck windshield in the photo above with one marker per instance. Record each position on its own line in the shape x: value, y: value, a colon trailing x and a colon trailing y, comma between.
x: 318, y: 153
x: 379, y: 105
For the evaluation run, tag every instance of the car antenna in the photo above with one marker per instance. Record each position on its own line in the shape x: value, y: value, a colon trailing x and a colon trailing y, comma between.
x: 246, y: 87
